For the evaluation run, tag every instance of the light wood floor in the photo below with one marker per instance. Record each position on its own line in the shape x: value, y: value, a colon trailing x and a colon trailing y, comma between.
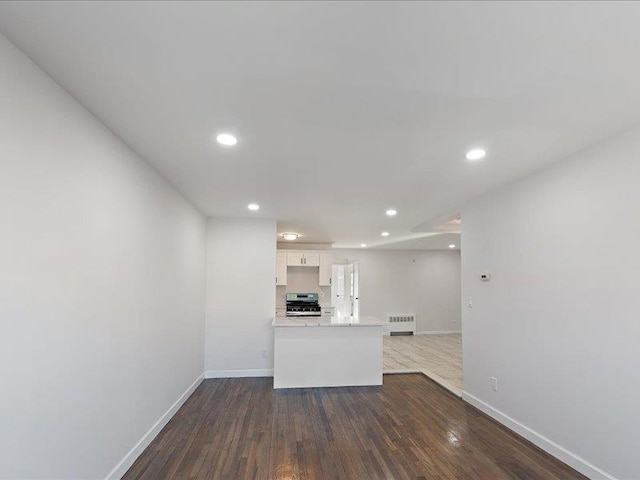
x: 407, y: 429
x: 437, y: 356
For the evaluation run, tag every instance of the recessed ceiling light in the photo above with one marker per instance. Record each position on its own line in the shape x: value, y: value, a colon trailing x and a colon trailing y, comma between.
x: 452, y: 246
x: 385, y: 234
x: 226, y: 139
x: 253, y: 206
x: 391, y: 212
x: 363, y: 245
x: 290, y: 236
x: 475, y: 154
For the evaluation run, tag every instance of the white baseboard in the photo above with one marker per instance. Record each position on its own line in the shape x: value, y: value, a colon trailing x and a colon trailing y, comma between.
x: 438, y: 332
x: 549, y: 446
x: 121, y: 468
x: 266, y: 372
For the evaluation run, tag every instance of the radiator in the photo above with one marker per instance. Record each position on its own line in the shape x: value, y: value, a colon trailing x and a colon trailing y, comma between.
x: 400, y: 325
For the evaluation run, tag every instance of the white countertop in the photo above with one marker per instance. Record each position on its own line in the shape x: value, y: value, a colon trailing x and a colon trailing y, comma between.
x: 326, y: 321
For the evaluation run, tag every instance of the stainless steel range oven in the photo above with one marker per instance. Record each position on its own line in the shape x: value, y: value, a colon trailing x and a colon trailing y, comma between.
x: 303, y: 305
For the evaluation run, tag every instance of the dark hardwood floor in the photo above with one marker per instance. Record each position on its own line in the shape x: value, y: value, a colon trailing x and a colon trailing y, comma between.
x: 409, y: 428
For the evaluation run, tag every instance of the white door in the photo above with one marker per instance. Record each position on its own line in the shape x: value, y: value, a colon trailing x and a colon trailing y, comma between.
x: 345, y: 291
x: 338, y: 291
x: 348, y: 278
x: 356, y: 290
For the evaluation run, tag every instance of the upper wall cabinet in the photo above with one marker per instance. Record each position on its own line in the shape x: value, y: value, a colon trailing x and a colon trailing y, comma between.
x: 294, y: 259
x: 312, y: 259
x: 281, y: 269
x: 326, y: 260
x: 303, y: 259
x: 291, y: 258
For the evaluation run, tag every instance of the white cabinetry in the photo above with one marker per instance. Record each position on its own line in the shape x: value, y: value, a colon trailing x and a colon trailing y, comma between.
x: 300, y: 355
x: 312, y: 259
x: 303, y: 259
x: 281, y: 269
x: 294, y: 259
x: 322, y: 260
x: 326, y: 260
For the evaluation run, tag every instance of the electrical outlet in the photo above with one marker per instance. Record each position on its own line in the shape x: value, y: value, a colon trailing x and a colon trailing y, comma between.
x: 264, y: 354
x: 494, y: 384
x: 470, y: 302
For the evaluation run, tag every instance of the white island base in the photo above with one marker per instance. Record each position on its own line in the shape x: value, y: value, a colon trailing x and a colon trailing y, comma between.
x: 327, y: 352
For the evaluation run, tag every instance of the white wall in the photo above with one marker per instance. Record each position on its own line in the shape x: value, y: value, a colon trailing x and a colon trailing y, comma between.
x: 558, y: 324
x: 424, y: 282
x: 241, y: 289
x: 101, y: 286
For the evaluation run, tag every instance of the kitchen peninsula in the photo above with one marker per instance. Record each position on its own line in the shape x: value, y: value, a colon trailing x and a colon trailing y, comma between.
x: 327, y: 351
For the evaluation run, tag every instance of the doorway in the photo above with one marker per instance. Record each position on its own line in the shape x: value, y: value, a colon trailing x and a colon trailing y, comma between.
x: 345, y: 296
x: 434, y: 347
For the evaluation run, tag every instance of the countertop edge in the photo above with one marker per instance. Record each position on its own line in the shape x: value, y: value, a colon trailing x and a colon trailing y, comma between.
x: 293, y: 322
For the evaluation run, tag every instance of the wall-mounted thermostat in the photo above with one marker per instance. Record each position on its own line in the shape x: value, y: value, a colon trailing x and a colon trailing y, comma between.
x: 485, y: 277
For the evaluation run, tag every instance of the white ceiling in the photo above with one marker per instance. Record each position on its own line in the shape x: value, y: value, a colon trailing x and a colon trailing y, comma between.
x: 342, y: 109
